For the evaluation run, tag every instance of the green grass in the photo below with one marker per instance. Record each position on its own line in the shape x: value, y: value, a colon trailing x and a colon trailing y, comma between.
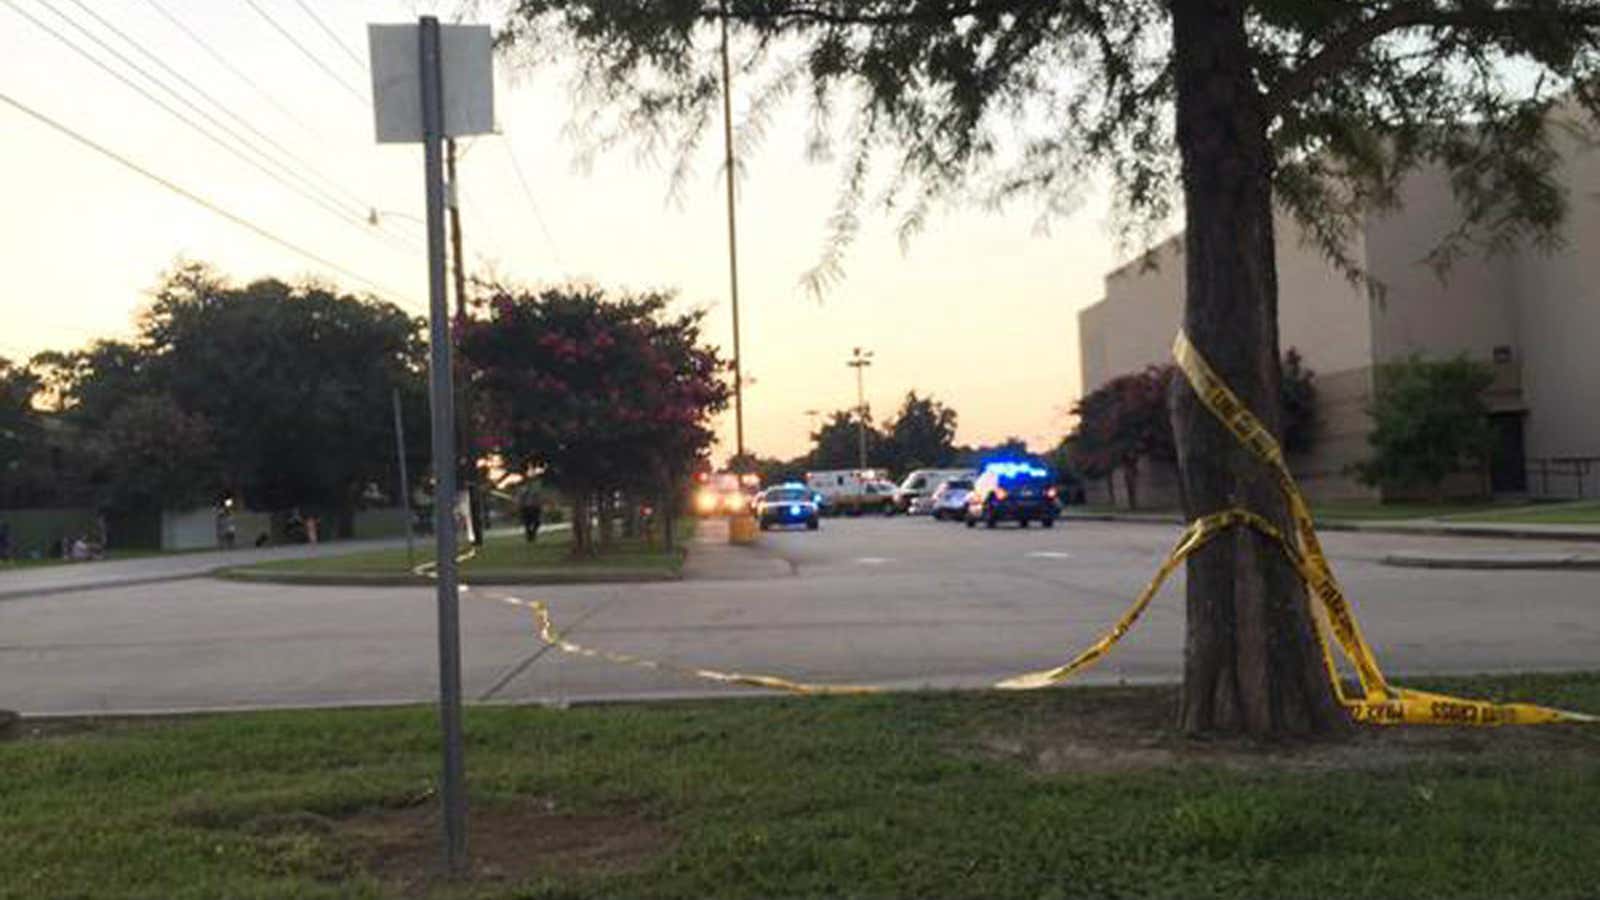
x: 1372, y: 510
x: 500, y: 553
x: 910, y: 795
x: 1579, y: 513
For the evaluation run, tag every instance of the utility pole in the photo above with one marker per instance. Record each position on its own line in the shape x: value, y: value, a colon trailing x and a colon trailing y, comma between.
x: 405, y: 480
x: 859, y: 361
x: 733, y: 238
x: 465, y: 454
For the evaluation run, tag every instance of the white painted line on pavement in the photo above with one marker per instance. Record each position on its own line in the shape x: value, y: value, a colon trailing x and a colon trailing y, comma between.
x: 1050, y: 554
x: 873, y: 560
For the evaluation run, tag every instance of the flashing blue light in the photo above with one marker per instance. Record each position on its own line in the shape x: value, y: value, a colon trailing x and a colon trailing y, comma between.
x: 1017, y: 469
x: 794, y: 510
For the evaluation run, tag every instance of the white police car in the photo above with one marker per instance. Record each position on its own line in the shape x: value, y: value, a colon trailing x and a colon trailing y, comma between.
x: 787, y: 504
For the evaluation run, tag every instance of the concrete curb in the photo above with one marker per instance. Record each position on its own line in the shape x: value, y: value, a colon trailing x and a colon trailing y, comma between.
x: 1422, y: 529
x: 25, y: 593
x: 491, y: 578
x: 1531, y: 561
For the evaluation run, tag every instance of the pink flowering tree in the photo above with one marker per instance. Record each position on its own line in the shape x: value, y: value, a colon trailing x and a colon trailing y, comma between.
x: 603, y: 395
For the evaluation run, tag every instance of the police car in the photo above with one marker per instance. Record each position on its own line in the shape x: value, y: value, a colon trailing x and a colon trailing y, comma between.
x: 1013, y: 490
x: 787, y: 504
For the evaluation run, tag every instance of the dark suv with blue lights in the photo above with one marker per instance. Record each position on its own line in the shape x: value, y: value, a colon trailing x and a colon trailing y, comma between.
x: 1020, y: 492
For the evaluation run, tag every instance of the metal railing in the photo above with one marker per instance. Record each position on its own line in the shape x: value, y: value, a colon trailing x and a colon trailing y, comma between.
x: 1569, y: 477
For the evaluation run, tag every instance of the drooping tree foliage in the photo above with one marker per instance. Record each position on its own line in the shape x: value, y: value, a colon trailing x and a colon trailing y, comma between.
x: 603, y: 395
x: 1238, y: 107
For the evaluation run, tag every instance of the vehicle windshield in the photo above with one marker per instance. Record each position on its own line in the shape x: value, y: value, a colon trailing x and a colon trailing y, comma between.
x: 787, y: 495
x: 960, y: 484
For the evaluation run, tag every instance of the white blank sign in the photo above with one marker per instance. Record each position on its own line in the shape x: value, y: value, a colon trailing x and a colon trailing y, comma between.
x: 466, y: 61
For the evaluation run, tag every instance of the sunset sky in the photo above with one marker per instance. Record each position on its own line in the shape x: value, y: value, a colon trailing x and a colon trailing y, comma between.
x: 980, y: 311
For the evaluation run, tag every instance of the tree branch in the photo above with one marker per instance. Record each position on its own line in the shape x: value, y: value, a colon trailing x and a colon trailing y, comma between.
x: 1339, y: 51
x: 837, y: 15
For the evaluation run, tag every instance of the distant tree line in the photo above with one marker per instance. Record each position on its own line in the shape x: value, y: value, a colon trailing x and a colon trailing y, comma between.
x: 920, y: 435
x: 274, y: 394
x: 281, y: 396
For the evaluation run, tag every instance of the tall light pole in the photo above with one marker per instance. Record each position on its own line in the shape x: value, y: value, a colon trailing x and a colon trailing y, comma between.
x: 859, y: 361
x: 733, y: 239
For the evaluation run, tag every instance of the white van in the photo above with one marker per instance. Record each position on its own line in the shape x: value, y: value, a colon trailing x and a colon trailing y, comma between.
x: 915, y: 494
x: 852, y: 491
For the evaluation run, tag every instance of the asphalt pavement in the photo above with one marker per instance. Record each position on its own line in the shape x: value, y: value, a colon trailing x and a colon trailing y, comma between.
x: 900, y: 603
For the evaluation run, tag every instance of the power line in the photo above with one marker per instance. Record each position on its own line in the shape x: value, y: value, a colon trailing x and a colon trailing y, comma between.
x: 331, y: 207
x: 200, y: 200
x: 533, y: 205
x: 315, y: 59
x: 354, y: 56
x: 225, y: 63
x: 245, y: 123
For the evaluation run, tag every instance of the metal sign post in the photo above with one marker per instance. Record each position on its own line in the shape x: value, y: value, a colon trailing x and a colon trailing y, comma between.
x: 408, y: 69
x: 444, y: 453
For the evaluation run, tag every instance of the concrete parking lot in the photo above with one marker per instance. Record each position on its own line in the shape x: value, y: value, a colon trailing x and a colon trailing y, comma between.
x: 894, y: 602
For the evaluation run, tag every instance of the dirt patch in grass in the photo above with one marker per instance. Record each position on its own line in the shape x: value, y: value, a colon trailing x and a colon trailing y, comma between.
x: 507, y: 842
x: 1111, y: 731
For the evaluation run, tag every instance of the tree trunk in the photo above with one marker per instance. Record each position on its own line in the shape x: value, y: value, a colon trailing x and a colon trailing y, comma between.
x: 1251, y: 661
x: 582, y: 540
x: 606, y: 504
x: 1130, y: 482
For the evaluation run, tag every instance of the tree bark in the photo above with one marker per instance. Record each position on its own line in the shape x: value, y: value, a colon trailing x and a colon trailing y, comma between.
x: 1251, y: 662
x: 606, y: 504
x: 582, y: 538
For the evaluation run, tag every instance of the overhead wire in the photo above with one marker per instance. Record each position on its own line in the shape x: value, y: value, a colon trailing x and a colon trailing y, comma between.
x: 299, y: 162
x: 241, y: 221
x: 327, y: 205
x: 227, y: 64
x: 315, y: 59
x: 332, y: 35
x: 527, y: 193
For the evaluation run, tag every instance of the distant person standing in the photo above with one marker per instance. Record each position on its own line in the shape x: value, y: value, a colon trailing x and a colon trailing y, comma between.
x: 5, y: 541
x: 227, y: 532
x: 531, y: 507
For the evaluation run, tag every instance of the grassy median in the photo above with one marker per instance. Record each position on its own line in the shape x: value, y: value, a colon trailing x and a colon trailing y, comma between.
x: 1078, y: 792
x: 503, y: 555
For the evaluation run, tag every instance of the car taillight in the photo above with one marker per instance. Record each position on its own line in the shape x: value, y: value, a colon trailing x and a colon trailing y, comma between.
x: 1050, y: 492
x: 999, y: 493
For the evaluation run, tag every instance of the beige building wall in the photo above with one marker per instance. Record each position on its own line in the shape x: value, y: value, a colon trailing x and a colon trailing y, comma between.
x: 1469, y: 308
x: 1558, y: 322
x: 1321, y: 314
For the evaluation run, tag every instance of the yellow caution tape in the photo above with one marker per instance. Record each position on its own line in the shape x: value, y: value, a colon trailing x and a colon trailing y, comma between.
x: 547, y: 633
x: 1380, y: 704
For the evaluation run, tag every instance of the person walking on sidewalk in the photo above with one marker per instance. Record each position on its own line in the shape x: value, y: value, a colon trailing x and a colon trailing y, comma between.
x: 531, y: 508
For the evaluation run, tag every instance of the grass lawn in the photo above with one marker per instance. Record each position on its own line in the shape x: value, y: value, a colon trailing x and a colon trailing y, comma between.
x: 1372, y: 510
x: 1064, y: 793
x: 1579, y: 513
x: 500, y: 553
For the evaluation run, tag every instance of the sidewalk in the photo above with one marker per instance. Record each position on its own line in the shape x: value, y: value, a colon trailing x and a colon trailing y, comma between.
x: 712, y: 558
x: 43, y: 580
